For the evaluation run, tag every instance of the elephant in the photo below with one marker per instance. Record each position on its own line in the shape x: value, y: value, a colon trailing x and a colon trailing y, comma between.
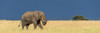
x: 34, y: 18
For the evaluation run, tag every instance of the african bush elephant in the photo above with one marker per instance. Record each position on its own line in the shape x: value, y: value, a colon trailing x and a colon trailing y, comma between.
x: 33, y: 18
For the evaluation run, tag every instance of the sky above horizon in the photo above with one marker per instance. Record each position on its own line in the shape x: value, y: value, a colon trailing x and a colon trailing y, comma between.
x: 53, y: 9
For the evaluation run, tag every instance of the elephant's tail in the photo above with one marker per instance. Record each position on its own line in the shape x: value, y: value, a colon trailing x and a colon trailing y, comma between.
x: 19, y: 25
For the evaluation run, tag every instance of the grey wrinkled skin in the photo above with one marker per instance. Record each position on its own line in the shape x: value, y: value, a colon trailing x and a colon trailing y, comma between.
x: 33, y: 18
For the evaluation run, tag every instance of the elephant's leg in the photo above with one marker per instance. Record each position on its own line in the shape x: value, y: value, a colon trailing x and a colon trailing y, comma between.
x: 35, y: 24
x: 27, y: 25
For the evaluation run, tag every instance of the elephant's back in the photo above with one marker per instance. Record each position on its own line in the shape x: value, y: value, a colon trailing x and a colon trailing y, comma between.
x: 27, y: 13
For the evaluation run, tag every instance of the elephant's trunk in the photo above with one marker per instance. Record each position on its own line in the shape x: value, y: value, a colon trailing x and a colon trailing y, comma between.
x: 19, y: 25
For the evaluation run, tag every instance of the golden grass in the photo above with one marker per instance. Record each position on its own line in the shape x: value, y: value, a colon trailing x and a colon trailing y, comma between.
x: 8, y: 26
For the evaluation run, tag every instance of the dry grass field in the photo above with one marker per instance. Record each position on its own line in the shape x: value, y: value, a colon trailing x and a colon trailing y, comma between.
x: 8, y: 26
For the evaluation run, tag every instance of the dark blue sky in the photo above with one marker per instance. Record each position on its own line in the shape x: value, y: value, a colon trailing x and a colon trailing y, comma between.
x: 65, y: 9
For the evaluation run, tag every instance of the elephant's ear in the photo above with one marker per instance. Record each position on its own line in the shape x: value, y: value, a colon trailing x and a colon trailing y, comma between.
x: 35, y: 15
x: 43, y: 16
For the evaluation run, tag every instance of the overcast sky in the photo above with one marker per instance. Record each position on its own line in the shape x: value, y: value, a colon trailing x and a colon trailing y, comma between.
x: 52, y: 8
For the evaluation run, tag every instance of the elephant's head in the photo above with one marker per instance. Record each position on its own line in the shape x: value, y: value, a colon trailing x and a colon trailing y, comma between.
x: 43, y: 18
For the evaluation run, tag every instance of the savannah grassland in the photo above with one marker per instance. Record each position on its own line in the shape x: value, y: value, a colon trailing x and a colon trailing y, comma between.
x: 67, y: 26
